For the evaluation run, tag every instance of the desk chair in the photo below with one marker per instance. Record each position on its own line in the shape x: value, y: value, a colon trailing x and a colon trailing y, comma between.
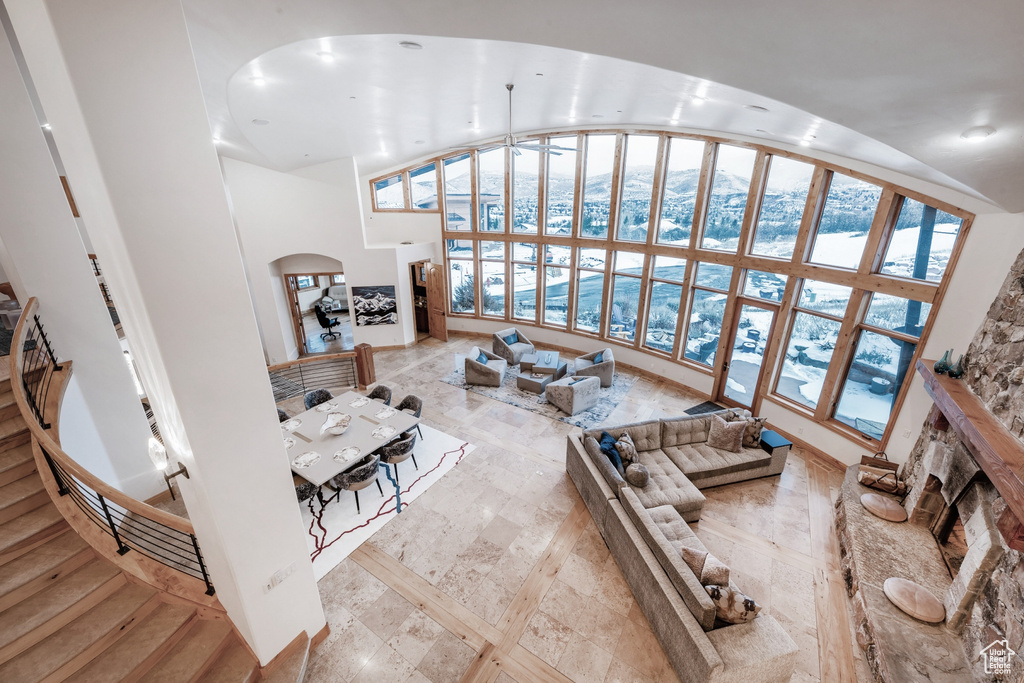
x: 326, y: 323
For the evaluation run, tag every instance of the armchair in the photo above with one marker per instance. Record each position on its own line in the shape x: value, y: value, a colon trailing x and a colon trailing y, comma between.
x: 604, y: 369
x: 511, y: 352
x: 487, y: 374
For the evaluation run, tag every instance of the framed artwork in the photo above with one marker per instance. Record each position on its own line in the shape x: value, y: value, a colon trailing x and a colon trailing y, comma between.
x: 375, y: 305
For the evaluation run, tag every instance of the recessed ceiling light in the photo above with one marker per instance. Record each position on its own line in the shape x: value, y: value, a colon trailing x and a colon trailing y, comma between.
x: 326, y: 57
x: 805, y: 143
x: 260, y: 122
x: 538, y: 74
x: 598, y: 116
x: 756, y: 107
x: 977, y: 133
x: 419, y: 142
x: 698, y: 100
x: 351, y: 97
x: 410, y: 45
x: 618, y: 111
x: 46, y: 126
x: 258, y: 80
x: 762, y: 130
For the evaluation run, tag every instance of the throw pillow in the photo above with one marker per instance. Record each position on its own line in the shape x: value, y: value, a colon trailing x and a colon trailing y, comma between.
x: 512, y: 338
x: 607, y: 443
x: 726, y: 435
x: 626, y: 448
x: 598, y: 357
x: 731, y: 606
x: 481, y: 358
x: 752, y: 434
x: 637, y: 475
x: 708, y: 569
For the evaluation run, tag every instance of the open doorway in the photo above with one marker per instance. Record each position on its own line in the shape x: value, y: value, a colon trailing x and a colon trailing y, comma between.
x: 320, y: 312
x: 428, y: 300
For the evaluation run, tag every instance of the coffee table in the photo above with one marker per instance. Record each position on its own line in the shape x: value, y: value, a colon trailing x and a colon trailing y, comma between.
x: 549, y: 363
x: 527, y: 382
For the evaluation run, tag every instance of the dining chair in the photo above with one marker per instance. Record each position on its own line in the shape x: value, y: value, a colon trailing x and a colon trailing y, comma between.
x: 398, y: 451
x: 381, y: 393
x: 282, y: 416
x: 413, y: 405
x: 359, y: 477
x: 304, y: 490
x: 316, y: 397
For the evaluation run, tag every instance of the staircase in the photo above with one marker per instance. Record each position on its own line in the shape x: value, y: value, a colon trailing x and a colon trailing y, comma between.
x: 68, y: 614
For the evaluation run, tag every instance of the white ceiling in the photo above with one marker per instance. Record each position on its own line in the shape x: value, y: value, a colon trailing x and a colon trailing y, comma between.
x: 892, y: 84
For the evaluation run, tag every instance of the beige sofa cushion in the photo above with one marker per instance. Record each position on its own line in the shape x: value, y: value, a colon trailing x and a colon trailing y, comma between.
x: 666, y: 533
x: 699, y: 461
x: 667, y: 485
x: 646, y: 435
x: 685, y: 430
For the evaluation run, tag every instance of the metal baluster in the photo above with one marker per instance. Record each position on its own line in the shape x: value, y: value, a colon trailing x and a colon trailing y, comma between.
x: 202, y: 565
x: 121, y: 547
x: 62, y: 488
x: 46, y: 343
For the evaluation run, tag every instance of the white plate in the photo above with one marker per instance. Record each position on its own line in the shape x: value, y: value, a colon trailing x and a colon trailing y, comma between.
x: 326, y: 407
x: 359, y: 402
x: 347, y: 454
x: 383, y: 432
x: 289, y: 442
x: 291, y: 425
x: 306, y: 459
x: 385, y: 412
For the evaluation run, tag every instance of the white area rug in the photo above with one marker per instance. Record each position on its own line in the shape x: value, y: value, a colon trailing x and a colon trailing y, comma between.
x: 335, y: 530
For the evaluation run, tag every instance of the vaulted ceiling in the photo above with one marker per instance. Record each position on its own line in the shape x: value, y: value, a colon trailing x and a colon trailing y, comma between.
x: 892, y: 84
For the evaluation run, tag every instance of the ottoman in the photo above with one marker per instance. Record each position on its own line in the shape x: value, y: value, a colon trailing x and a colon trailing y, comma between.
x: 574, y: 394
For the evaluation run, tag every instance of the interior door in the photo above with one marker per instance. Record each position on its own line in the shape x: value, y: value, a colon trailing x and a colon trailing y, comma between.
x: 435, y: 302
x: 744, y: 366
x: 300, y: 328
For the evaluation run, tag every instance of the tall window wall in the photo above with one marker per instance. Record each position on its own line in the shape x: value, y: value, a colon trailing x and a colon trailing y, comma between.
x: 656, y: 241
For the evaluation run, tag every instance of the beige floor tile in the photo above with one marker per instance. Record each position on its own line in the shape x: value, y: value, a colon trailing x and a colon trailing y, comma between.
x: 385, y: 665
x: 620, y: 672
x: 583, y: 661
x: 564, y: 603
x: 600, y: 625
x: 343, y: 654
x: 489, y: 601
x: 612, y: 590
x: 501, y: 532
x: 580, y: 574
x: 415, y: 636
x: 386, y: 614
x: 447, y: 660
x: 640, y: 649
x: 546, y: 637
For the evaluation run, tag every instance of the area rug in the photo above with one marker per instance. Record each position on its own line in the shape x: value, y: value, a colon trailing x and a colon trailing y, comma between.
x: 509, y: 393
x: 335, y: 529
x: 705, y: 407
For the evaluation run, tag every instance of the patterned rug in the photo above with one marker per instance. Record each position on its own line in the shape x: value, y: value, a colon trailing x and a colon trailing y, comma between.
x: 509, y: 393
x: 335, y: 529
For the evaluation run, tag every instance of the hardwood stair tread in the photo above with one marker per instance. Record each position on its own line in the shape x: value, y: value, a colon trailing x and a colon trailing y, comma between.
x: 16, y: 462
x: 71, y: 644
x: 11, y: 426
x: 191, y: 656
x: 130, y: 652
x: 6, y: 396
x: 23, y: 528
x: 37, y: 568
x: 234, y: 665
x: 19, y: 490
x: 29, y: 615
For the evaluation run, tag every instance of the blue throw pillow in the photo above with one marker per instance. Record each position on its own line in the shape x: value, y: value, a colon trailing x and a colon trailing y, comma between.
x: 597, y: 358
x: 512, y: 338
x: 481, y: 358
x: 607, y: 442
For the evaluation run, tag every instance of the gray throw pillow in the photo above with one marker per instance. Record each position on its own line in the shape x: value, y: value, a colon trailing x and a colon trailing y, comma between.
x: 637, y: 475
x: 727, y: 436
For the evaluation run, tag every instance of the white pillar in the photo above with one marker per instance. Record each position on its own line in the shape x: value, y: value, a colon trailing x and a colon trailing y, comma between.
x: 103, y: 424
x: 118, y: 83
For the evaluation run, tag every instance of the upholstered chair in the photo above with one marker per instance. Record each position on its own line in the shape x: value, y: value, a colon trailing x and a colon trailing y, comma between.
x: 398, y: 451
x: 487, y: 374
x: 381, y: 393
x: 414, y: 406
x: 511, y: 351
x: 359, y: 477
x: 574, y: 393
x: 316, y: 397
x: 304, y: 490
x: 603, y: 369
x: 281, y: 415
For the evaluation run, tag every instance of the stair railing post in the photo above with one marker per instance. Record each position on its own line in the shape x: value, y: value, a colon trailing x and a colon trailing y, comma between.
x: 121, y: 547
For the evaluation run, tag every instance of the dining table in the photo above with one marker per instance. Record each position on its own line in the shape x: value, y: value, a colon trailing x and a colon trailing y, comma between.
x: 318, y: 455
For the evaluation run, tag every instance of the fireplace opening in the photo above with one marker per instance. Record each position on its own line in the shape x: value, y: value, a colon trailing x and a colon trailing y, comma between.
x: 949, y: 533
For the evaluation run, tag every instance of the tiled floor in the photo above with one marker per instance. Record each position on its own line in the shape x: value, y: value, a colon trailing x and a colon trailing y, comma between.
x: 498, y: 573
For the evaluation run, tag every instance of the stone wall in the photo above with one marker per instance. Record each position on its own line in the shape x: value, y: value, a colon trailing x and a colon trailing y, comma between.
x: 995, y: 374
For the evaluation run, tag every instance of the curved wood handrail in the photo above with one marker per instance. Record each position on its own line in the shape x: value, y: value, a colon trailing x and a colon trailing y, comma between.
x: 57, y: 453
x: 311, y: 359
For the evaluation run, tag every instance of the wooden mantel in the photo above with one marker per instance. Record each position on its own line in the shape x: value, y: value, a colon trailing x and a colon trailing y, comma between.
x: 998, y: 453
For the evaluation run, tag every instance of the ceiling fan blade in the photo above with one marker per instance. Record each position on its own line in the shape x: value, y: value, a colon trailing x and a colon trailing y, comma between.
x: 548, y: 148
x: 515, y: 150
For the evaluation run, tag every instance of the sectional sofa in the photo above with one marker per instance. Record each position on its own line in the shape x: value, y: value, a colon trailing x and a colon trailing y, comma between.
x: 645, y: 529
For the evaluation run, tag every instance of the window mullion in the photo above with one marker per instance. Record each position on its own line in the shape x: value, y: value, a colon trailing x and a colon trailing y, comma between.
x: 840, y: 366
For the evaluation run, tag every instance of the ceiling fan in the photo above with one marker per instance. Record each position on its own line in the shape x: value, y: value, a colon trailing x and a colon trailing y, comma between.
x: 518, y: 147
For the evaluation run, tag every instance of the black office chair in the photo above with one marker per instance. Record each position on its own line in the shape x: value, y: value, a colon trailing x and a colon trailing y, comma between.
x: 326, y: 323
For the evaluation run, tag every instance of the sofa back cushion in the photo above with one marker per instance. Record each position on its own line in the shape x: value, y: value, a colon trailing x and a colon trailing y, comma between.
x: 680, y: 431
x: 665, y: 533
x: 646, y: 435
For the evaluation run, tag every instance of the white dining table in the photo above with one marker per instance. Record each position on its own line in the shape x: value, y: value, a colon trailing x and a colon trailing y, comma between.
x: 372, y: 425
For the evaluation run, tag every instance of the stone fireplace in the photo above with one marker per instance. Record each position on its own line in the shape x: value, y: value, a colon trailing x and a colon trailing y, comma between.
x: 949, y: 488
